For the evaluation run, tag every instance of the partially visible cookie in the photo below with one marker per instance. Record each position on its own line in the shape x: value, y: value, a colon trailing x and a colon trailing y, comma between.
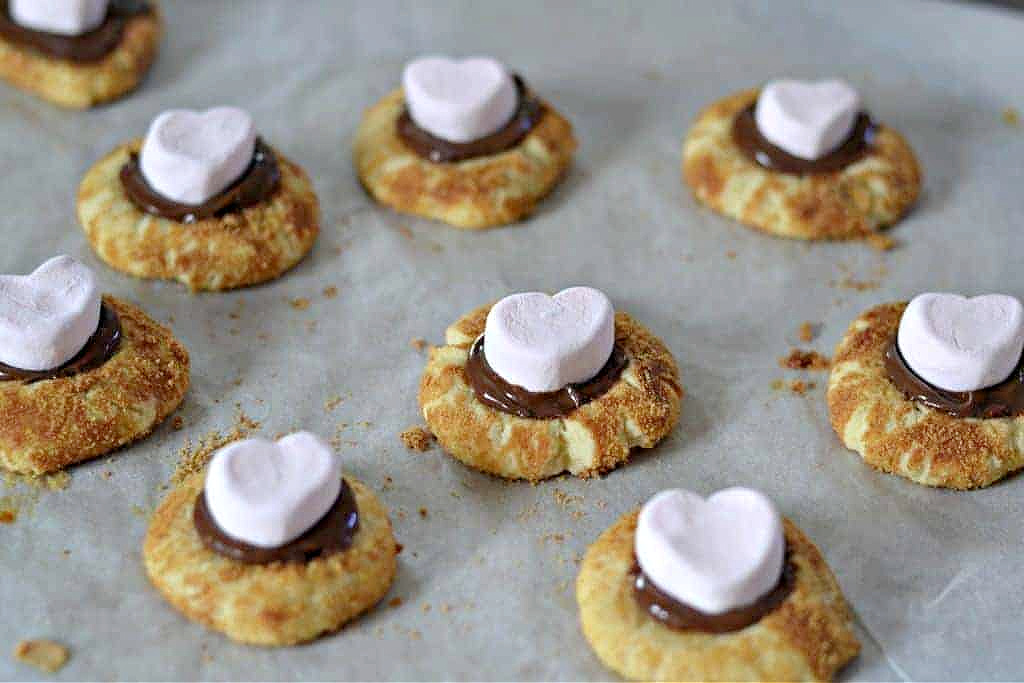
x: 851, y: 203
x: 281, y: 603
x: 897, y: 435
x: 475, y: 193
x: 242, y: 248
x: 80, y: 85
x: 638, y: 411
x: 808, y: 637
x: 51, y: 424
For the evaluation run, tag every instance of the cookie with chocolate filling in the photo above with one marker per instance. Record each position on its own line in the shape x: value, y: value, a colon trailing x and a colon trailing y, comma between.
x: 489, y: 182
x: 254, y: 231
x: 900, y: 425
x: 868, y: 184
x: 103, y: 399
x: 634, y: 402
x: 275, y: 602
x: 85, y: 70
x: 807, y: 636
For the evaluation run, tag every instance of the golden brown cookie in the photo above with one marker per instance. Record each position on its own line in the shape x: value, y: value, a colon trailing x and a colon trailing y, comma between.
x: 80, y: 85
x: 476, y: 193
x: 51, y: 424
x: 896, y: 435
x: 808, y: 637
x: 274, y: 604
x: 637, y: 412
x: 852, y: 203
x: 247, y: 247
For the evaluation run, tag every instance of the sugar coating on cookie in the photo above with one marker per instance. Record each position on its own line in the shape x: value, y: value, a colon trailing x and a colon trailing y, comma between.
x: 59, y: 422
x: 277, y: 604
x: 853, y: 202
x: 898, y: 435
x: 808, y: 636
x: 637, y: 411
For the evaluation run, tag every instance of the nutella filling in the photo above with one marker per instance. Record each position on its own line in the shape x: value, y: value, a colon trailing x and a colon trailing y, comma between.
x: 102, y: 345
x: 440, y: 151
x: 495, y: 392
x: 332, y: 534
x: 758, y: 149
x: 674, y: 614
x: 1005, y: 399
x: 259, y: 182
x: 88, y: 47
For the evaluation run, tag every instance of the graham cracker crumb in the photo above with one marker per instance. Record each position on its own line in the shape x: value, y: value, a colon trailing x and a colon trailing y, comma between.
x: 808, y: 331
x: 424, y: 513
x: 192, y: 460
x: 880, y: 242
x: 731, y: 255
x: 777, y: 384
x: 8, y: 516
x: 800, y: 387
x: 177, y: 423
x: 858, y: 285
x: 425, y: 607
x: 299, y: 304
x: 417, y: 438
x: 419, y: 344
x: 405, y: 231
x: 1011, y: 117
x: 45, y: 655
x: 332, y: 402
x: 330, y: 292
x: 395, y: 602
x: 799, y: 359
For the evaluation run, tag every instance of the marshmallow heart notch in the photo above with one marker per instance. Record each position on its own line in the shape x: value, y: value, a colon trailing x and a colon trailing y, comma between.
x: 268, y: 493
x: 712, y: 555
x: 46, y: 317
x: 543, y: 343
x: 805, y: 119
x: 459, y: 100
x: 957, y: 343
x: 190, y: 156
x: 61, y: 17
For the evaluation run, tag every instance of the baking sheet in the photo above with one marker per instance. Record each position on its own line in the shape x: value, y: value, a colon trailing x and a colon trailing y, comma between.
x: 486, y: 578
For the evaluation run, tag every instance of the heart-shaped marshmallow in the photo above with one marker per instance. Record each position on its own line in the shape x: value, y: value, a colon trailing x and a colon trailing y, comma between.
x: 808, y: 120
x: 961, y: 344
x: 542, y: 343
x: 190, y: 156
x: 47, y: 317
x: 63, y: 17
x: 713, y: 555
x: 459, y: 100
x: 268, y: 493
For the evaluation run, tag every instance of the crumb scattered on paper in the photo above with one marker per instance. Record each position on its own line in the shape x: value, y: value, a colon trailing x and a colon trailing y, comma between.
x: 192, y: 459
x: 417, y: 438
x: 177, y: 423
x: 299, y: 304
x: 1011, y: 117
x: 424, y: 513
x: 880, y: 242
x: 330, y: 292
x: 800, y: 387
x: 332, y: 402
x: 808, y: 331
x: 45, y: 655
x: 395, y: 602
x: 801, y: 359
x: 419, y: 344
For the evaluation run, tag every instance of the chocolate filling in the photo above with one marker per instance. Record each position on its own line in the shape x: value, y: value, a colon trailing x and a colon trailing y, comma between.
x: 511, y: 134
x: 1005, y: 399
x: 495, y: 392
x: 748, y: 138
x: 102, y: 345
x: 332, y: 534
x: 88, y: 47
x: 674, y: 614
x: 259, y: 182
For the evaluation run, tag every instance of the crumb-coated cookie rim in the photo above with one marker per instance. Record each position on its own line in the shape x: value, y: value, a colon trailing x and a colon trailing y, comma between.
x: 870, y: 194
x: 55, y: 423
x: 901, y: 436
x: 807, y: 637
x: 476, y: 193
x: 638, y: 411
x: 239, y: 249
x: 80, y: 85
x: 270, y: 605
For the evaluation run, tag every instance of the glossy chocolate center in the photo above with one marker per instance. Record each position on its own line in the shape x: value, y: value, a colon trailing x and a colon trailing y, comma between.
x: 102, y: 345
x: 439, y: 151
x: 88, y: 47
x: 758, y: 149
x: 674, y: 614
x: 495, y: 392
x: 332, y: 534
x: 1005, y: 399
x: 259, y: 182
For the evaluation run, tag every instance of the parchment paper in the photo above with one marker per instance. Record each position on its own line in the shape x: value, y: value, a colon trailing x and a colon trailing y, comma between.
x: 486, y: 578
